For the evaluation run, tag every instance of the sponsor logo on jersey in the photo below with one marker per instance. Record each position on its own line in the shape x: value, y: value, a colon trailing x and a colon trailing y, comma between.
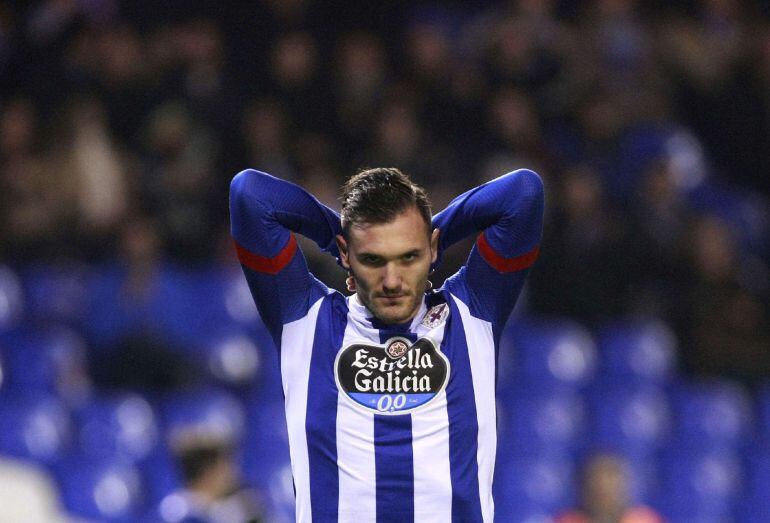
x: 395, y: 378
x: 436, y: 316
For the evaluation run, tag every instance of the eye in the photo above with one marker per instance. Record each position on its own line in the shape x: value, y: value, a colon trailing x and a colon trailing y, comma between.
x: 369, y: 259
x: 411, y: 256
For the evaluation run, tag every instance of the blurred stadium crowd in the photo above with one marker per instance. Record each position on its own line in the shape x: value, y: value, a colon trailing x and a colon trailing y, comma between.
x: 125, y: 325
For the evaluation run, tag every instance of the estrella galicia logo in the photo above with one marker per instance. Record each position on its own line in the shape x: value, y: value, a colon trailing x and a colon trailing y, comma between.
x: 392, y: 379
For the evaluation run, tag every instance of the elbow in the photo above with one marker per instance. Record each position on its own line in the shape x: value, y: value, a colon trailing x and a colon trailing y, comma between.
x: 528, y: 186
x: 247, y: 190
x: 247, y: 186
x: 241, y: 183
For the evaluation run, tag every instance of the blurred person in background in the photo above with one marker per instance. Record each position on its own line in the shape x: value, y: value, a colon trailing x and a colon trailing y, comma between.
x: 605, y: 493
x: 723, y: 321
x: 213, y: 491
x: 586, y: 236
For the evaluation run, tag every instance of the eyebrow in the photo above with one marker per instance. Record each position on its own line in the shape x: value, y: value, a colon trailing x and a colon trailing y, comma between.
x: 380, y: 256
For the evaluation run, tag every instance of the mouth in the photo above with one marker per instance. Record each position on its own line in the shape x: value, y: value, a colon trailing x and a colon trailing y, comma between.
x: 393, y: 298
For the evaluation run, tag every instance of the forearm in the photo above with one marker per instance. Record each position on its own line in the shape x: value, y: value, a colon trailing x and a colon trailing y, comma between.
x: 508, y: 210
x: 264, y: 210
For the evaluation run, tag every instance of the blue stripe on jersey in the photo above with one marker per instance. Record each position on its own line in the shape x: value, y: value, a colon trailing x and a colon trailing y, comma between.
x: 393, y: 455
x: 463, y: 424
x: 321, y: 416
x: 394, y: 465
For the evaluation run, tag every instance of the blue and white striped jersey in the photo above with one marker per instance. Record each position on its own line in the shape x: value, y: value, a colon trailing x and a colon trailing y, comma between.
x: 389, y: 422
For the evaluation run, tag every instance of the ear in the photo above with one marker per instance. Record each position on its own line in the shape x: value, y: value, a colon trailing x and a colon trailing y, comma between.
x: 434, y: 245
x: 342, y: 245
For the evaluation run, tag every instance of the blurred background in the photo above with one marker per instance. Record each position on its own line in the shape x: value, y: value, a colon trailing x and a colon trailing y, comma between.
x: 137, y: 383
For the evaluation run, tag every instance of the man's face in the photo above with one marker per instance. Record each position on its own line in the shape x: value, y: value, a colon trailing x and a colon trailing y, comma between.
x: 390, y: 264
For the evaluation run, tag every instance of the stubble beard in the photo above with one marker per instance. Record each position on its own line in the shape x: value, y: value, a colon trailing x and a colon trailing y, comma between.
x: 401, y: 314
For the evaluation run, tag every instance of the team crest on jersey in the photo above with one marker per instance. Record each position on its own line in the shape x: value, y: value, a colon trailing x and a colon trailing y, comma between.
x: 436, y: 316
x: 397, y: 348
x: 395, y: 378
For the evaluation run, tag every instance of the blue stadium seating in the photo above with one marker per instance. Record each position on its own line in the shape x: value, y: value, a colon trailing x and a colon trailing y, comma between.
x: 549, y: 352
x: 756, y: 502
x: 103, y: 490
x: 208, y: 412
x: 763, y: 413
x: 36, y: 427
x: 50, y: 359
x: 160, y: 474
x: 545, y: 482
x: 712, y: 413
x: 634, y: 420
x: 543, y: 420
x: 119, y: 426
x: 266, y: 442
x: 56, y: 292
x: 637, y: 350
x: 699, y: 485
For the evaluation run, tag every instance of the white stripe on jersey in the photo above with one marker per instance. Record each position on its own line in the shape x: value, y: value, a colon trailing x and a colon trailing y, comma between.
x: 355, y: 449
x: 296, y: 349
x: 481, y: 353
x: 430, y: 448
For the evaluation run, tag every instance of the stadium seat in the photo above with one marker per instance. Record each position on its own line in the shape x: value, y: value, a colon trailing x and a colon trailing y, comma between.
x: 549, y: 352
x: 634, y: 420
x: 712, y: 413
x: 36, y: 427
x: 266, y: 441
x: 56, y: 292
x: 548, y: 420
x: 699, y: 486
x: 208, y: 412
x: 112, y: 315
x: 756, y: 501
x: 231, y: 357
x: 544, y: 482
x: 763, y: 413
x: 637, y: 350
x: 117, y: 425
x: 104, y: 490
x: 160, y: 474
x: 48, y: 360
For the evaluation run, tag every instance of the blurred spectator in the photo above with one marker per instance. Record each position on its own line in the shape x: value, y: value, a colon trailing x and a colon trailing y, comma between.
x: 724, y: 324
x: 605, y: 495
x: 212, y: 490
x: 589, y: 266
x: 38, y: 200
x: 179, y: 176
x: 125, y: 323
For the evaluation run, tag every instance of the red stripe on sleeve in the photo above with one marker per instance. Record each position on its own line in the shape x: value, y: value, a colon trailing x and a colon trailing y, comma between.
x: 502, y: 264
x: 272, y: 265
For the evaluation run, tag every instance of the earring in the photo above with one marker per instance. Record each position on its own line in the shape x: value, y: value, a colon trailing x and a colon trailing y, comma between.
x: 350, y: 281
x: 428, y: 285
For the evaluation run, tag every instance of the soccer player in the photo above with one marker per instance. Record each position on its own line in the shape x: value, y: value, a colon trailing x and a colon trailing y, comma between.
x: 389, y: 392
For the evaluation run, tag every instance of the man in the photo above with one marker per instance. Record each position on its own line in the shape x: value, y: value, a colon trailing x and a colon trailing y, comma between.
x: 606, y: 495
x: 390, y: 392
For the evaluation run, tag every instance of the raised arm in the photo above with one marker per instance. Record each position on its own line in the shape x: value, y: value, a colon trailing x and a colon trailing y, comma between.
x: 264, y: 213
x: 508, y: 214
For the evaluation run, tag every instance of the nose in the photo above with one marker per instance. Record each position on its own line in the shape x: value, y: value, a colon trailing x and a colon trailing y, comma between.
x: 391, y: 279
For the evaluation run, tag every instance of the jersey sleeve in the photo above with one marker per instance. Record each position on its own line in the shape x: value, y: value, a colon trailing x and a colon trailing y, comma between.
x: 265, y: 212
x: 507, y: 215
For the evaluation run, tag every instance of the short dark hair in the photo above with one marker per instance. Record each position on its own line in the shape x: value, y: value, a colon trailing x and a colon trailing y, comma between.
x: 196, y: 461
x: 378, y: 195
